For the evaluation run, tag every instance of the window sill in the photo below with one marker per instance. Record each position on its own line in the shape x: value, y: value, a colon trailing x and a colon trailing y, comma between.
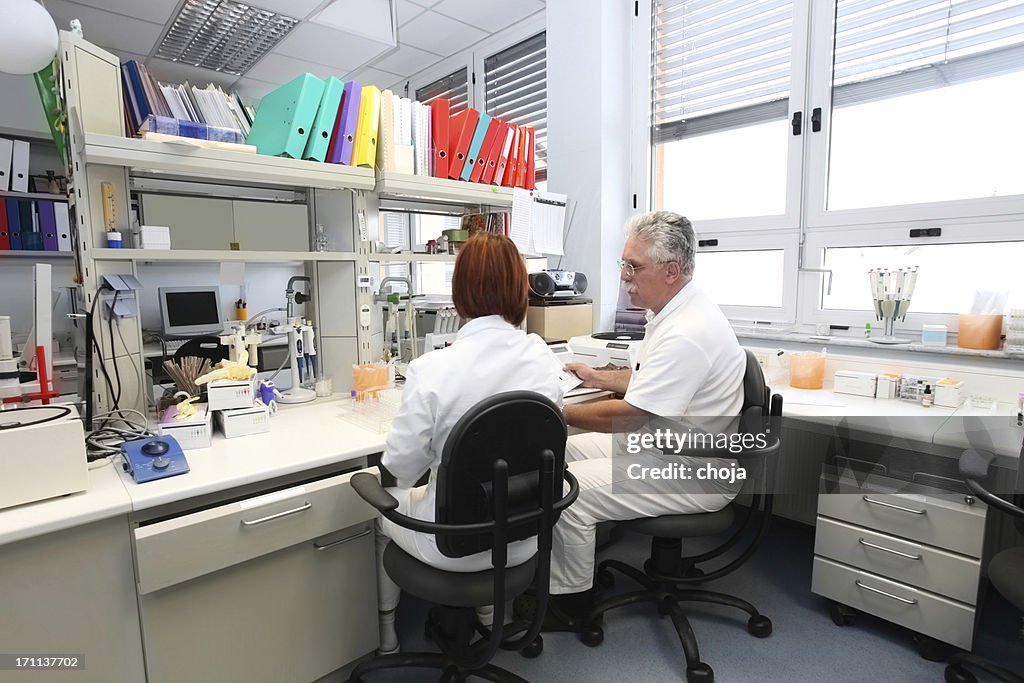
x: 861, y: 343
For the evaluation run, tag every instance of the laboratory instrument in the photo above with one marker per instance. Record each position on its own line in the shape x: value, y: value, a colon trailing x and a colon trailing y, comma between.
x: 891, y: 291
x: 30, y: 473
x: 153, y: 458
x: 604, y: 348
x: 244, y: 421
x: 194, y: 431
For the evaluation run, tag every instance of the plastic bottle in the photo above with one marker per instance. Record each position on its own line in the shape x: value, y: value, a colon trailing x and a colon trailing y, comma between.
x: 867, y: 330
x: 926, y: 397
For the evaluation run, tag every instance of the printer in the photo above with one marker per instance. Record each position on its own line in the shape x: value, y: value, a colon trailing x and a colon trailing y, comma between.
x: 602, y: 348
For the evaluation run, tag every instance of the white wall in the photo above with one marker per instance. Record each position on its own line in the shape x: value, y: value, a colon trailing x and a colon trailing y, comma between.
x: 588, y: 138
x: 16, y: 295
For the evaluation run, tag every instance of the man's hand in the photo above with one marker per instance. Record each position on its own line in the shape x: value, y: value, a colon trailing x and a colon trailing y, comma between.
x: 615, y: 381
x: 586, y: 373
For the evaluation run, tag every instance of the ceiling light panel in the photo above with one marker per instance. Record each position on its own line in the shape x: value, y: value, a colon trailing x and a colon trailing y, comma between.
x: 222, y: 35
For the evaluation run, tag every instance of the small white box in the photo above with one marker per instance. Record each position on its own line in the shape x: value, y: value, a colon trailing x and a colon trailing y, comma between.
x: 244, y: 421
x: 195, y: 431
x: 154, y: 237
x: 886, y: 387
x: 228, y: 394
x: 855, y: 383
x: 948, y: 393
x: 934, y: 335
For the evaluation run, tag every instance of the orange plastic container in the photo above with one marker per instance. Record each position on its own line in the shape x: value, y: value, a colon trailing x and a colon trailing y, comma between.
x: 979, y: 331
x: 807, y: 370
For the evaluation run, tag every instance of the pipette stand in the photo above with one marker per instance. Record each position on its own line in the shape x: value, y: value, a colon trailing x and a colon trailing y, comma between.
x: 297, y: 393
x: 888, y: 311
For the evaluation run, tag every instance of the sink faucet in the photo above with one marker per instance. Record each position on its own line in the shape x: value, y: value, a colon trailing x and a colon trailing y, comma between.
x: 380, y: 290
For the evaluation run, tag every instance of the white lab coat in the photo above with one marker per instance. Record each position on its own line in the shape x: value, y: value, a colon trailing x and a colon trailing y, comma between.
x: 489, y: 356
x: 690, y: 364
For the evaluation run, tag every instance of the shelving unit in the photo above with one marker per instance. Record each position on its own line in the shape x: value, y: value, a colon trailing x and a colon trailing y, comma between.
x: 7, y: 194
x: 427, y: 188
x: 202, y: 256
x: 36, y: 255
x: 413, y: 258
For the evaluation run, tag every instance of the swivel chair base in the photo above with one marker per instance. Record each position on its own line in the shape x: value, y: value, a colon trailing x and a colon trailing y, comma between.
x: 661, y: 589
x: 957, y: 673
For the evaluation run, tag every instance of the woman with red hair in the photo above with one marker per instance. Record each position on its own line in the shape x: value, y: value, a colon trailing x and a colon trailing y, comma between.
x: 490, y: 355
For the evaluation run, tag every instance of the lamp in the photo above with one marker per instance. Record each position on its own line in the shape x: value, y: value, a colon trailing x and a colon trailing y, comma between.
x: 28, y: 37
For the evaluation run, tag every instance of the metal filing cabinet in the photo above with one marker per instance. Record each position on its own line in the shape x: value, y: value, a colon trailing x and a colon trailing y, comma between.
x: 906, y: 552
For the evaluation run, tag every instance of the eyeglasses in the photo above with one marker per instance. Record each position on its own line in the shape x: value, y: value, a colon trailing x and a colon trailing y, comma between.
x: 631, y: 269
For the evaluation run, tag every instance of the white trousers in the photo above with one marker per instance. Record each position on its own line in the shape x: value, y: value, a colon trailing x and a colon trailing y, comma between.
x: 590, y: 459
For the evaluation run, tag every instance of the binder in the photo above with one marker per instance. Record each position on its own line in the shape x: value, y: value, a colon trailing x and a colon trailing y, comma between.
x: 62, y: 218
x: 364, y: 152
x: 6, y: 151
x: 31, y: 238
x: 386, y: 132
x: 285, y: 117
x: 14, y: 224
x: 485, y: 149
x: 333, y: 144
x: 506, y: 149
x: 405, y: 151
x: 521, y: 159
x: 323, y: 122
x: 491, y: 161
x: 47, y: 224
x: 465, y: 124
x: 510, y: 166
x: 474, y: 146
x: 5, y: 235
x: 440, y: 113
x: 19, y: 167
x: 531, y: 159
x: 349, y: 118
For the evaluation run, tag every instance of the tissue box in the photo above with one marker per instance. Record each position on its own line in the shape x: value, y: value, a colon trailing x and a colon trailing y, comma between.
x: 948, y: 393
x: 227, y: 394
x: 933, y: 335
x: 244, y: 421
x: 154, y: 237
x: 195, y: 431
x: 855, y: 383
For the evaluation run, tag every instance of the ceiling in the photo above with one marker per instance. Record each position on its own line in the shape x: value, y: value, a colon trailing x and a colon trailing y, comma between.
x: 341, y: 38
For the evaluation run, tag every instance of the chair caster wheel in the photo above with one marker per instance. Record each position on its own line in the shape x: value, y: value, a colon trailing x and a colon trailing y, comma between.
x: 759, y: 626
x: 957, y: 674
x: 605, y: 579
x: 533, y: 649
x: 592, y: 636
x: 693, y: 572
x: 931, y: 649
x: 842, y: 615
x: 701, y: 673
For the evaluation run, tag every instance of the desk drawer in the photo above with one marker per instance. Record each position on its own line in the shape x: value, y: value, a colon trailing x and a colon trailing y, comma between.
x: 943, y: 521
x: 949, y: 621
x: 185, y: 547
x: 938, y: 571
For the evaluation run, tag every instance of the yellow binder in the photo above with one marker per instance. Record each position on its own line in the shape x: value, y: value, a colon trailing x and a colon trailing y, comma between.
x: 365, y: 149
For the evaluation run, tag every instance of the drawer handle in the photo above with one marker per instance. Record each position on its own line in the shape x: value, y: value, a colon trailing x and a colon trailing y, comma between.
x: 341, y: 541
x: 302, y: 508
x: 888, y: 550
x: 894, y: 507
x: 881, y: 592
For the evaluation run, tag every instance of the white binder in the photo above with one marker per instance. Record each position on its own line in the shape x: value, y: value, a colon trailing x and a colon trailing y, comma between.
x: 19, y: 167
x: 6, y: 150
x: 63, y: 222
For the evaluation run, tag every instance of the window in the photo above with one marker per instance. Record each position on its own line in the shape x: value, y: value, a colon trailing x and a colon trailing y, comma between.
x: 454, y: 87
x: 726, y: 277
x: 515, y: 90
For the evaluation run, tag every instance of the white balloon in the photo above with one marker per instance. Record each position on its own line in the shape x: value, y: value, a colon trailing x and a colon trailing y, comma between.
x: 28, y: 37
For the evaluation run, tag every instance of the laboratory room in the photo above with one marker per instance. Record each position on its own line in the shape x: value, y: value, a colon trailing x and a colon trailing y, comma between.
x: 549, y: 340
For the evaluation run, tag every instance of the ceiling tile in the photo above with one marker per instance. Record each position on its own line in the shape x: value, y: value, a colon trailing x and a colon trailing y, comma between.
x: 407, y: 10
x: 156, y: 11
x: 426, y: 3
x: 275, y: 68
x: 341, y: 51
x: 300, y: 9
x: 438, y: 34
x: 111, y: 31
x: 406, y: 61
x: 489, y: 16
x: 252, y: 89
x: 381, y: 79
x: 178, y: 72
x: 368, y: 18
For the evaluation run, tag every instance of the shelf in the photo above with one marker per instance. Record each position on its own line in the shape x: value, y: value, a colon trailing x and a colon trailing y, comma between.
x: 6, y: 194
x: 36, y: 254
x: 412, y: 258
x: 188, y: 161
x: 200, y: 255
x: 433, y: 189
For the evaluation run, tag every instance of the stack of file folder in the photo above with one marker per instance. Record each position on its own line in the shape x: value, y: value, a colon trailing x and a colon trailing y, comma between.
x: 34, y: 225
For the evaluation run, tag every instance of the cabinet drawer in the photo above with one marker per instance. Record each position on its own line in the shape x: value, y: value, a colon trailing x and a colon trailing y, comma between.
x: 938, y: 571
x: 943, y: 521
x: 185, y: 547
x: 924, y: 612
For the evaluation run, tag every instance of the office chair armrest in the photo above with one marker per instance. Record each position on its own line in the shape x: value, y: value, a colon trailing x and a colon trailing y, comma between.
x: 370, y: 490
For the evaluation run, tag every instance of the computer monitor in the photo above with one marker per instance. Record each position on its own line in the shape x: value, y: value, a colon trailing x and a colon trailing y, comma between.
x: 190, y: 311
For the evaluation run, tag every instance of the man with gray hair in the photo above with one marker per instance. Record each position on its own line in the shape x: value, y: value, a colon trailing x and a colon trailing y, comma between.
x: 690, y: 364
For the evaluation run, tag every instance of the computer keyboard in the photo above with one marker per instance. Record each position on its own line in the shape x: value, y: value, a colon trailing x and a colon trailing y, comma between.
x: 173, y: 345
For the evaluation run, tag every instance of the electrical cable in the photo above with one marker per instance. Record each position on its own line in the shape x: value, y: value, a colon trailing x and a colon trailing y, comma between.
x: 113, y: 353
x: 138, y: 373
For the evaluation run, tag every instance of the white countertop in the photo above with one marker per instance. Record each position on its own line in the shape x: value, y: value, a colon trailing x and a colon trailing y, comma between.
x: 105, y: 498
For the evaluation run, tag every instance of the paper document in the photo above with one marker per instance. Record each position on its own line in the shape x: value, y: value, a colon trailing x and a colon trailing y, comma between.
x: 520, y: 231
x: 568, y: 380
x: 538, y: 221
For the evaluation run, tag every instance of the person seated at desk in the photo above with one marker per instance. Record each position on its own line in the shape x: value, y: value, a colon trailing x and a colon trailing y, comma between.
x: 690, y: 364
x: 490, y: 355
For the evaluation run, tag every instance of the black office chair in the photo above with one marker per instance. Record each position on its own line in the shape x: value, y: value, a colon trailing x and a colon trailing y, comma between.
x: 500, y: 480
x: 1005, y: 569
x: 202, y: 347
x: 667, y: 570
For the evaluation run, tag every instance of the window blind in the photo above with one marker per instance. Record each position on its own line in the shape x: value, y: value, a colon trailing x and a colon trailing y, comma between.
x: 719, y: 57
x: 396, y: 234
x: 454, y: 87
x: 516, y: 91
